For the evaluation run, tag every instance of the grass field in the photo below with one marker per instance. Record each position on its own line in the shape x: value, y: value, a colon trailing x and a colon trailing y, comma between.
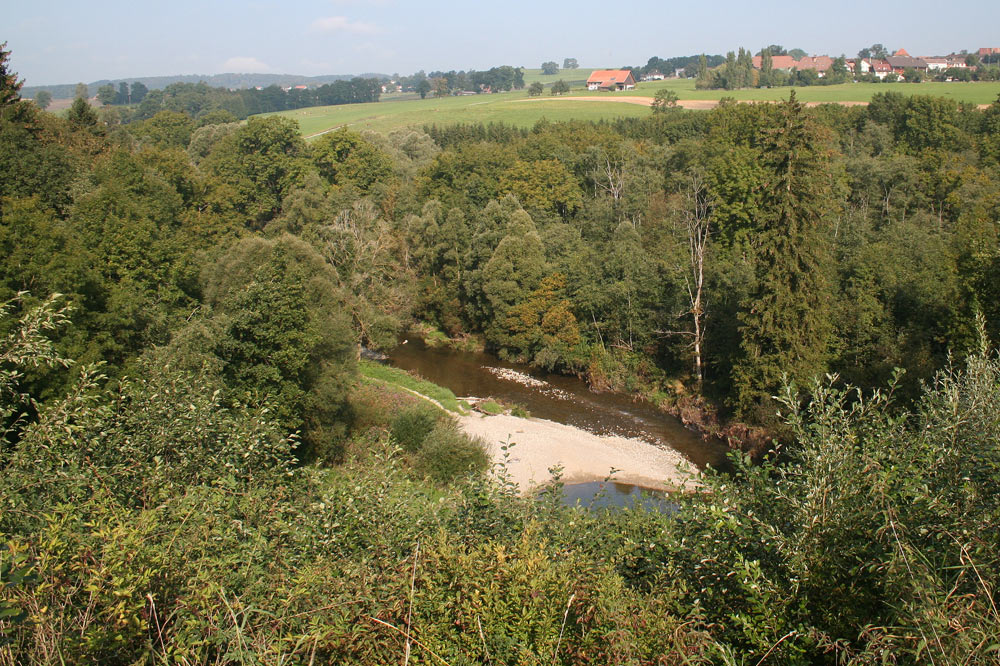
x: 576, y: 78
x: 403, y: 111
x: 973, y: 92
x: 504, y: 107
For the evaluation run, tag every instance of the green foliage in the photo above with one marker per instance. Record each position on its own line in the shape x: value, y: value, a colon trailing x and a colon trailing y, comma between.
x: 447, y: 454
x: 10, y: 87
x: 262, y: 161
x: 491, y: 407
x: 411, y: 428
x: 345, y: 158
x: 280, y: 331
x: 560, y: 87
x: 43, y: 98
x: 395, y: 376
x: 664, y: 100
x: 785, y: 325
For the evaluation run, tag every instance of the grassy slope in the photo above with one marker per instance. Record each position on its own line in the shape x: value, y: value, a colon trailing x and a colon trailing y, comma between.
x: 396, y: 377
x: 392, y: 113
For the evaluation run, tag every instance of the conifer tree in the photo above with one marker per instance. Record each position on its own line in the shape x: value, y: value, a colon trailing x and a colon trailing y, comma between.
x: 10, y: 87
x: 785, y: 322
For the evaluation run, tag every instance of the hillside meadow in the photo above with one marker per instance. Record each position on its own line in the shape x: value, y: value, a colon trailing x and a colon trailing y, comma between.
x: 404, y: 111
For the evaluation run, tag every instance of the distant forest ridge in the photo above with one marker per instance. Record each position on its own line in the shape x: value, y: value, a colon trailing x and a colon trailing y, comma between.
x: 242, y: 81
x: 229, y: 80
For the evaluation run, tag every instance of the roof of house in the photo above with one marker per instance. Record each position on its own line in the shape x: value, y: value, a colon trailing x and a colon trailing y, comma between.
x: 819, y: 63
x: 901, y: 52
x: 777, y: 62
x: 902, y: 62
x: 610, y: 76
x: 880, y: 66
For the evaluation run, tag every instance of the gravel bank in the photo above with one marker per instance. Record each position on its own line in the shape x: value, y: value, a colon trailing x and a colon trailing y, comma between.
x: 541, y: 444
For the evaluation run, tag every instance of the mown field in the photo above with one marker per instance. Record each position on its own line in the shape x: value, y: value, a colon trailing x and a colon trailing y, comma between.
x: 504, y: 107
x: 972, y: 92
x: 510, y: 107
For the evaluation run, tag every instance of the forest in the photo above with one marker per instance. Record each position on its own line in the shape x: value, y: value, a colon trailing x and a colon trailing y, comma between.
x: 196, y: 471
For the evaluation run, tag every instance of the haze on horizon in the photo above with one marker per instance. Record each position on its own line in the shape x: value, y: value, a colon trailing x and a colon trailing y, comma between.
x: 56, y: 42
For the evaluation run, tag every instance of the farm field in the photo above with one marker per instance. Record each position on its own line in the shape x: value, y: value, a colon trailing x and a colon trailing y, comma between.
x: 574, y: 77
x: 504, y: 107
x: 972, y: 92
x: 512, y: 108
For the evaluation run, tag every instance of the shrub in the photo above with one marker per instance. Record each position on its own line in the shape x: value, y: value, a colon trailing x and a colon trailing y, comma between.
x: 448, y: 454
x: 412, y: 426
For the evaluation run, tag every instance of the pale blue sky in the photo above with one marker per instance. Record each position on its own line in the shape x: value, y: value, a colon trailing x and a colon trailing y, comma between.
x: 64, y: 42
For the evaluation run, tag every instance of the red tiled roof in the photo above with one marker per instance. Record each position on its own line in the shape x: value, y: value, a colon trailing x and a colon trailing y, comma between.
x: 818, y: 63
x: 777, y: 62
x: 901, y: 52
x: 610, y: 76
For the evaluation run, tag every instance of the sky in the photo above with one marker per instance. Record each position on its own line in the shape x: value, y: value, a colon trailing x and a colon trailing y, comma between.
x: 55, y: 42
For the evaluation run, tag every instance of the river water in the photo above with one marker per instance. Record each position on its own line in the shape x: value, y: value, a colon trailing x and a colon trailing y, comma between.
x: 557, y: 398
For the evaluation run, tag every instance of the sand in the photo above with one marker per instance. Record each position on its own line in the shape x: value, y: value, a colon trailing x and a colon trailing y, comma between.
x: 540, y: 444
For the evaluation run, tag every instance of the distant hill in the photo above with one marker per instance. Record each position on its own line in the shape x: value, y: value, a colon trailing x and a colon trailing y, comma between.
x: 230, y: 80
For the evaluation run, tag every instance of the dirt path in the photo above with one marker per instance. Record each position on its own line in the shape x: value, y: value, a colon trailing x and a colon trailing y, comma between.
x: 584, y: 456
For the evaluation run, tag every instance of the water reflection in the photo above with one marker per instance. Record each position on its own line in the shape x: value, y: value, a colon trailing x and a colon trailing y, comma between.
x: 612, y: 494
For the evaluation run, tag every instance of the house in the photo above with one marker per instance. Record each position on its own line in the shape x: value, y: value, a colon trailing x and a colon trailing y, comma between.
x: 785, y: 63
x: 936, y: 64
x: 988, y: 51
x: 901, y: 63
x: 880, y: 68
x: 820, y: 64
x: 653, y: 76
x: 611, y: 79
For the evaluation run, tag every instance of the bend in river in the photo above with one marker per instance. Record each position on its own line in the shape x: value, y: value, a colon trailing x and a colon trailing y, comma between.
x: 558, y: 398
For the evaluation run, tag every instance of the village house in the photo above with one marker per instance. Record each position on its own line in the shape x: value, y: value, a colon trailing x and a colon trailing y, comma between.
x: 611, y: 79
x: 880, y: 68
x: 988, y: 51
x: 778, y: 63
x: 820, y: 64
x: 900, y: 61
x: 653, y: 76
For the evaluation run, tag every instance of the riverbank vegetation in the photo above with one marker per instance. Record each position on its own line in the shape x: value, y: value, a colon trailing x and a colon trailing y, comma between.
x: 197, y: 471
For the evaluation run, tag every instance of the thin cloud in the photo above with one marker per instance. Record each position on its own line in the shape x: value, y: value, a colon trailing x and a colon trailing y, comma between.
x: 343, y: 24
x: 245, y: 65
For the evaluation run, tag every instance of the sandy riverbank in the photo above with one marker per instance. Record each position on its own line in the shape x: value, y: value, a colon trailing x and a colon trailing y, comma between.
x: 541, y: 444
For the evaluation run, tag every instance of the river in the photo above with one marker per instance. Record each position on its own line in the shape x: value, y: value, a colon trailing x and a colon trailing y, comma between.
x: 558, y: 398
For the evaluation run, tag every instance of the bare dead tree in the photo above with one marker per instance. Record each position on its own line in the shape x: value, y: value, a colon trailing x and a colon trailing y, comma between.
x: 697, y: 221
x: 609, y: 175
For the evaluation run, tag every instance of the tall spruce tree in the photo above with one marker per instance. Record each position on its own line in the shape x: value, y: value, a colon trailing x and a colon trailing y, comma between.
x: 785, y: 323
